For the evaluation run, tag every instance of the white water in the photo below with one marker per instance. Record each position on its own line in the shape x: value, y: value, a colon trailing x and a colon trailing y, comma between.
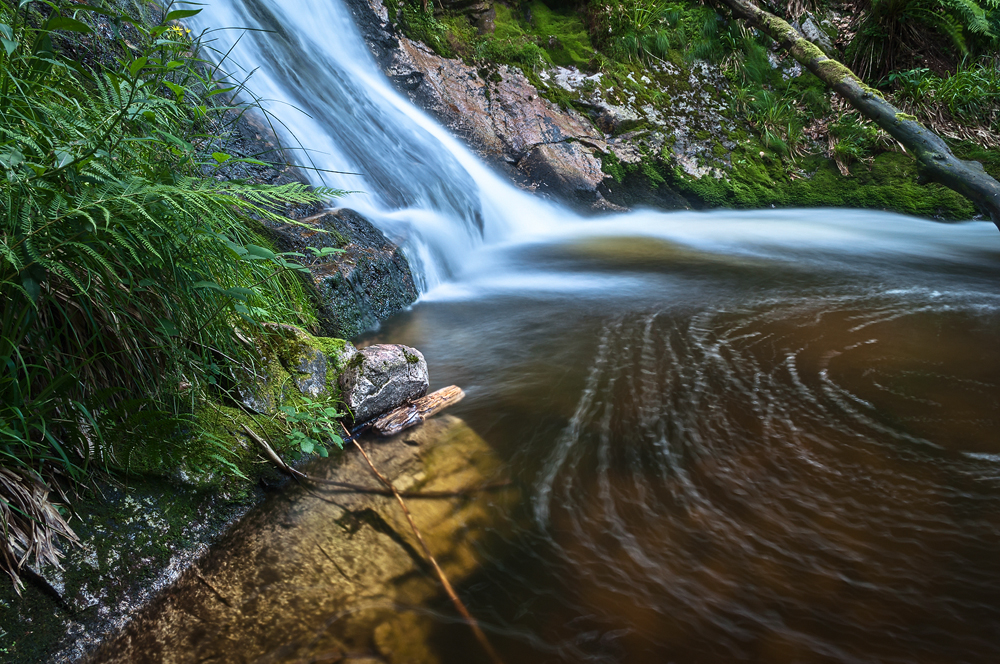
x: 315, y: 74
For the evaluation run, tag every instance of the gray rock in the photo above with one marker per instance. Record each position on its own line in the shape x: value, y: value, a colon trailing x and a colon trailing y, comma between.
x: 486, y: 23
x: 816, y: 35
x: 569, y: 170
x: 382, y: 377
x: 354, y: 290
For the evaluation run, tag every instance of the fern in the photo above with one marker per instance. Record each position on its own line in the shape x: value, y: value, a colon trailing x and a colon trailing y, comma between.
x: 108, y: 233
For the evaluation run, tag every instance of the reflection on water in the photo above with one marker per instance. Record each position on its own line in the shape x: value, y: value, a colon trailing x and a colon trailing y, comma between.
x: 731, y: 457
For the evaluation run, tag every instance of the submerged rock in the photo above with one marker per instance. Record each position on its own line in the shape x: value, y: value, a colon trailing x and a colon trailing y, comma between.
x: 357, y: 289
x: 319, y: 574
x: 383, y: 377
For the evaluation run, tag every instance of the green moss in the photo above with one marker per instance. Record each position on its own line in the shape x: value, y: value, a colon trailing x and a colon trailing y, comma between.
x: 989, y: 158
x: 889, y: 184
x: 612, y: 165
x: 563, y: 36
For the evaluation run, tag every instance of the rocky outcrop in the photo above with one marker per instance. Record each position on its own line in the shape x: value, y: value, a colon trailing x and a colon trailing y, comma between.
x: 368, y: 280
x: 498, y: 112
x: 368, y: 382
x: 383, y: 377
x: 319, y: 573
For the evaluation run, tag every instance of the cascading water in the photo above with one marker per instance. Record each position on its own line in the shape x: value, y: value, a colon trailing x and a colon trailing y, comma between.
x: 313, y: 71
x: 766, y: 436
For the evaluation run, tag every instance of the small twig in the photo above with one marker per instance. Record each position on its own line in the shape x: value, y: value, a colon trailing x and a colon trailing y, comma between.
x: 272, y: 455
x: 459, y: 605
x: 357, y: 488
x: 219, y: 595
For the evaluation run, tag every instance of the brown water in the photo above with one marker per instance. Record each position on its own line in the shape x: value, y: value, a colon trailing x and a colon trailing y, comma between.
x: 755, y: 437
x: 768, y: 456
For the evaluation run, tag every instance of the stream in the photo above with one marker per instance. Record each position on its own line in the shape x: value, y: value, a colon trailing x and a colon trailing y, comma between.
x: 764, y: 436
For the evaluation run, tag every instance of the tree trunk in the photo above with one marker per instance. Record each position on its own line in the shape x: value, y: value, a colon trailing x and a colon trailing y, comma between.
x: 937, y: 163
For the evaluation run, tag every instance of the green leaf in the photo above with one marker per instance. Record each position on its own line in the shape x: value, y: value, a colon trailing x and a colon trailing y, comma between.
x: 168, y: 328
x: 58, y: 22
x: 10, y: 158
x: 33, y: 289
x: 239, y: 293
x: 63, y: 158
x: 137, y: 66
x: 180, y: 13
x: 220, y: 91
x: 221, y: 157
x: 260, y: 253
x: 323, y: 452
x: 176, y: 89
x: 248, y: 160
x: 307, y: 445
x: 207, y: 284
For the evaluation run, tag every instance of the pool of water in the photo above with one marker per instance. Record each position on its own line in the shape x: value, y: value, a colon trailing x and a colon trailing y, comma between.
x: 737, y: 441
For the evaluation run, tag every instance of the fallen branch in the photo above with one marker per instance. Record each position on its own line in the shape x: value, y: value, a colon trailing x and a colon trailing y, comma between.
x: 936, y: 160
x: 347, y: 487
x: 272, y: 455
x: 459, y: 605
x: 417, y: 411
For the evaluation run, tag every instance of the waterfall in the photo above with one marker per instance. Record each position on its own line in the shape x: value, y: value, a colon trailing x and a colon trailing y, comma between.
x: 310, y: 67
x: 313, y: 72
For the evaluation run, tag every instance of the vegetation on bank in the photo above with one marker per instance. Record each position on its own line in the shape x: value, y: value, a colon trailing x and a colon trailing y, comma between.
x: 790, y: 141
x: 135, y: 282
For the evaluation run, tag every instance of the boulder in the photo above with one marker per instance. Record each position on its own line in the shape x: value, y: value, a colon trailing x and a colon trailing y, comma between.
x: 811, y: 31
x: 569, y: 170
x: 383, y: 377
x: 294, y: 360
x: 357, y: 289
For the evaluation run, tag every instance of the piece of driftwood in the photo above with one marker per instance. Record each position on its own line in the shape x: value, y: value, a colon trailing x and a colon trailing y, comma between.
x: 417, y: 411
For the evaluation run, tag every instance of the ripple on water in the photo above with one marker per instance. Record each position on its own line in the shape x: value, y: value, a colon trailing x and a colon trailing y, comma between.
x: 809, y: 479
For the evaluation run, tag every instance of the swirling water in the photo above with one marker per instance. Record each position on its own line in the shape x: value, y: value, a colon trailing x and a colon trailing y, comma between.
x: 761, y: 436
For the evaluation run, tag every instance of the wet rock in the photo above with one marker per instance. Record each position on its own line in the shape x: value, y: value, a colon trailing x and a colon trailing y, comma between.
x: 383, y: 377
x: 486, y: 23
x: 319, y: 575
x: 570, y: 170
x: 360, y: 287
x: 497, y: 111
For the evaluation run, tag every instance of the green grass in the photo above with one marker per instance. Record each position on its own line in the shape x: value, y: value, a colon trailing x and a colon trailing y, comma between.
x: 131, y: 285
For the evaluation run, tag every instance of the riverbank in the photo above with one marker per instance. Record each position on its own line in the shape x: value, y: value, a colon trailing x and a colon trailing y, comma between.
x: 146, y: 494
x: 714, y: 116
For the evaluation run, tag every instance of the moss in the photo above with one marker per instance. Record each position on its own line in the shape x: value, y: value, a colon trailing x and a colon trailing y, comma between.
x: 563, y: 36
x: 890, y: 183
x: 612, y: 165
x: 989, y: 158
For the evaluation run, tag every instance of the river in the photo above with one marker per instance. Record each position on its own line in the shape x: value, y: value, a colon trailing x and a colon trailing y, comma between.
x: 763, y: 436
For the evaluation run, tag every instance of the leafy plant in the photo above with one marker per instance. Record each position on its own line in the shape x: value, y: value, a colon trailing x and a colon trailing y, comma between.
x: 898, y: 34
x: 312, y: 422
x: 123, y: 271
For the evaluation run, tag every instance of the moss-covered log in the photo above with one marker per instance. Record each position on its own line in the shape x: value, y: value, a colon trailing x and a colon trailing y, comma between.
x: 936, y: 160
